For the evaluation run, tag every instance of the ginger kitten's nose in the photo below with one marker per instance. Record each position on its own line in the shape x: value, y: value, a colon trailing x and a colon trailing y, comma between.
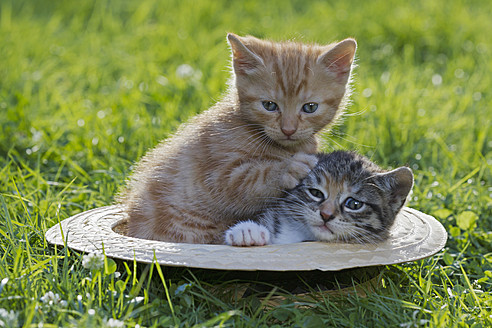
x: 288, y: 131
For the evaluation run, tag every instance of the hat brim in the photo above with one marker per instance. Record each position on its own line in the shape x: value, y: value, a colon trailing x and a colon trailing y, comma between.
x: 414, y: 236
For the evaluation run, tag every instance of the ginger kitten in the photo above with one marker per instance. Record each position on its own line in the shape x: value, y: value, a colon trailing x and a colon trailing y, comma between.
x: 229, y: 162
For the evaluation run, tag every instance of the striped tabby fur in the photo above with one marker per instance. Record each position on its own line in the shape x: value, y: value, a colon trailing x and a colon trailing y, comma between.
x: 345, y: 198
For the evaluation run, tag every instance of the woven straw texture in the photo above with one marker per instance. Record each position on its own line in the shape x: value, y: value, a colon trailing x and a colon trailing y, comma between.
x: 414, y: 236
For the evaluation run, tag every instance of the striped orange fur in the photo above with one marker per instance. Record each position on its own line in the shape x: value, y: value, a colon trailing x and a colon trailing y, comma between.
x: 229, y: 162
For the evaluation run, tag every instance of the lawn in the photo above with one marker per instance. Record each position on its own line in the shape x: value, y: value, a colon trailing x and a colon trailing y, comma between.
x: 86, y: 87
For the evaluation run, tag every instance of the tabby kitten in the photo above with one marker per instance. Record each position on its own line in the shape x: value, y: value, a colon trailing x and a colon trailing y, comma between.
x: 228, y: 162
x: 345, y: 198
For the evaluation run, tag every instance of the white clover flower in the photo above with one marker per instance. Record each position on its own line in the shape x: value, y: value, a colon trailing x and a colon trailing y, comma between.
x: 91, y: 312
x: 113, y: 323
x: 117, y: 274
x: 162, y: 80
x: 185, y: 71
x: 8, y: 318
x: 50, y: 298
x: 93, y: 261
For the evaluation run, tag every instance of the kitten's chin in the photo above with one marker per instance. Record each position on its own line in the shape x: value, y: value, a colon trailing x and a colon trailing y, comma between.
x: 285, y: 142
x: 323, y: 233
x: 288, y: 142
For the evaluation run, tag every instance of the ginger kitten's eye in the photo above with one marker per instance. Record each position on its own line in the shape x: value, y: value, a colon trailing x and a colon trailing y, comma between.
x: 269, y: 106
x: 316, y: 193
x: 353, y: 204
x: 309, y: 107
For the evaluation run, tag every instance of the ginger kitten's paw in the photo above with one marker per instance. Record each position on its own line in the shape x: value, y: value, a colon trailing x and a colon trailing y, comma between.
x: 298, y: 168
x: 247, y: 233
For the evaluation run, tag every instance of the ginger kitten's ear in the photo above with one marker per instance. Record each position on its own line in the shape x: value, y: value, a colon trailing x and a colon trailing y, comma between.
x: 244, y: 60
x: 339, y: 58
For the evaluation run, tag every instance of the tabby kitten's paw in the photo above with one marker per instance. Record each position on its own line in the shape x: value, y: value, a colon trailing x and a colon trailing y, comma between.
x: 247, y: 233
x: 298, y: 168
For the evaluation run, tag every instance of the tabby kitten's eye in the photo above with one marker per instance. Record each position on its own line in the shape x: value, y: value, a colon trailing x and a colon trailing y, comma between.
x: 309, y: 107
x: 316, y: 193
x: 270, y: 106
x: 353, y: 204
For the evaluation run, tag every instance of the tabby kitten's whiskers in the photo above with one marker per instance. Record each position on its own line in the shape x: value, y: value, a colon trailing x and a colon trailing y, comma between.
x: 346, y: 198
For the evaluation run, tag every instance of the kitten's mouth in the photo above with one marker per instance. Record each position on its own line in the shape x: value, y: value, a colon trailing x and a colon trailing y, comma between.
x: 325, y: 229
x: 288, y: 140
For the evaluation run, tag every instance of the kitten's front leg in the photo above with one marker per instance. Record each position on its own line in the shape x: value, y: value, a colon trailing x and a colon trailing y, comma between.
x: 251, y: 185
x: 297, y: 168
x: 247, y: 233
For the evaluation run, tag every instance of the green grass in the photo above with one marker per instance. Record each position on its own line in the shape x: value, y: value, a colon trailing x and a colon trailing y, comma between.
x: 86, y: 87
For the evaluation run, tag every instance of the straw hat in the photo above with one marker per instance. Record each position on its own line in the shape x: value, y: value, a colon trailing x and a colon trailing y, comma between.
x: 414, y: 236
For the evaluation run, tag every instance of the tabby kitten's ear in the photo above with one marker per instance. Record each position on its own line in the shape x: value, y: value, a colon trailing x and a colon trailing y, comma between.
x: 398, y: 183
x: 244, y: 60
x: 339, y: 58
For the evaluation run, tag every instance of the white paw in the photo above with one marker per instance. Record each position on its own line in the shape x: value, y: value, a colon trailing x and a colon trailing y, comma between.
x: 298, y: 168
x: 247, y: 233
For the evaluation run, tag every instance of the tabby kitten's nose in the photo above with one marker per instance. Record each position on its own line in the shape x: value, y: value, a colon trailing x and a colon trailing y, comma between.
x: 288, y: 131
x: 327, y: 216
